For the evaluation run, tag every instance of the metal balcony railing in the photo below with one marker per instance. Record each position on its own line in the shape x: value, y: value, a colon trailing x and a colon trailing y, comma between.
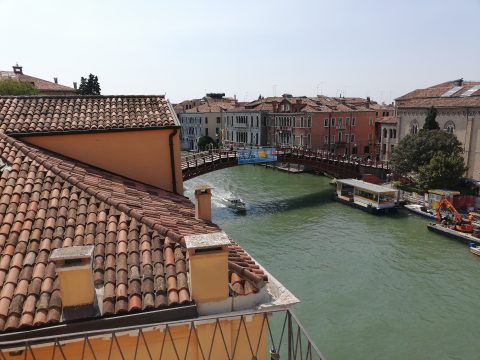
x: 281, y: 332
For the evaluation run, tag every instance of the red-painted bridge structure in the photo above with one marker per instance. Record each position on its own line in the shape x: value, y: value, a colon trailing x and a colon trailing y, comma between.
x: 318, y: 161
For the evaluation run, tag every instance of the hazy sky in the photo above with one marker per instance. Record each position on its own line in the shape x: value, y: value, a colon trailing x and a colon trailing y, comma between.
x: 184, y: 48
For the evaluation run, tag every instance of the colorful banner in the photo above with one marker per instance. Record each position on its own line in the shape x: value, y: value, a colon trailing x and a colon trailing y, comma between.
x: 255, y: 156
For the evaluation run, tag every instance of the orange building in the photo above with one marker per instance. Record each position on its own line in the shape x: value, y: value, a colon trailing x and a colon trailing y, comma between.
x: 101, y: 256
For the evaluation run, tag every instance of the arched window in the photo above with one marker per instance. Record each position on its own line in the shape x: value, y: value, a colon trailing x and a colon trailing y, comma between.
x: 414, y: 127
x: 449, y: 127
x: 391, y: 133
x: 384, y: 133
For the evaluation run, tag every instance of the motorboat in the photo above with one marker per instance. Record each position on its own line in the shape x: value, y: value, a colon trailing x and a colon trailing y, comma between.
x: 475, y: 249
x: 421, y: 210
x: 235, y: 204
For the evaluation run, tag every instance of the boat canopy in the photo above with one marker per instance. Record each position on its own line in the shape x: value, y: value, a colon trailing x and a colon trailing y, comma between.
x: 359, y: 184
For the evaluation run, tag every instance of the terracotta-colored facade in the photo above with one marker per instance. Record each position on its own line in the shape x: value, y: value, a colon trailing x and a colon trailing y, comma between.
x: 344, y: 126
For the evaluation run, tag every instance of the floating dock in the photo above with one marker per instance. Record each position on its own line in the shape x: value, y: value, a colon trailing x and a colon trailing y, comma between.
x: 454, y: 234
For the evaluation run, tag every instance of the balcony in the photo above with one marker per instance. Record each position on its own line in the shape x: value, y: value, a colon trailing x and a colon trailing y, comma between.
x: 280, y: 336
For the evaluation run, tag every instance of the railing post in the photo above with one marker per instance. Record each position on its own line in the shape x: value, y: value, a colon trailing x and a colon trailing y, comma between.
x: 290, y: 335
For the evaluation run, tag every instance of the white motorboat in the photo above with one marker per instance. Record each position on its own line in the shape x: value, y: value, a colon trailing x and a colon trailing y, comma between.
x: 235, y: 204
x: 421, y: 210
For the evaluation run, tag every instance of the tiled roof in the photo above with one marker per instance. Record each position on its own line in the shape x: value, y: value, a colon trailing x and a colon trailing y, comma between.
x: 432, y: 96
x: 60, y: 114
x: 387, y: 120
x: 48, y: 201
x: 212, y: 106
x: 40, y: 84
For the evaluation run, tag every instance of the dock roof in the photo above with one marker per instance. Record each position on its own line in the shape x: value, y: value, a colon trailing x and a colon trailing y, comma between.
x: 366, y: 186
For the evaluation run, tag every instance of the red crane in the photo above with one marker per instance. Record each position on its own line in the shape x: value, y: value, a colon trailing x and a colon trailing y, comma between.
x: 455, y: 219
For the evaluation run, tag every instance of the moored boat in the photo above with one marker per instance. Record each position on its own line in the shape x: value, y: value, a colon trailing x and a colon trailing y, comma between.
x: 421, y: 210
x: 475, y: 249
x: 366, y: 196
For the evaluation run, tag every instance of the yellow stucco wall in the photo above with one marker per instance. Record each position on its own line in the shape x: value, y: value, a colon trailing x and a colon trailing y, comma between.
x: 125, y: 344
x: 140, y: 155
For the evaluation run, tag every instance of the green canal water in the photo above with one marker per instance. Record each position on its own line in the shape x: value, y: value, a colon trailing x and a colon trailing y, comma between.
x: 370, y: 287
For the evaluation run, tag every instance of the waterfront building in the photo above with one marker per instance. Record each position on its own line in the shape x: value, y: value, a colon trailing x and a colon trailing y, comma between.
x: 44, y: 87
x: 203, y: 118
x: 245, y: 127
x: 101, y: 254
x: 458, y: 106
x: 340, y: 125
x: 387, y: 135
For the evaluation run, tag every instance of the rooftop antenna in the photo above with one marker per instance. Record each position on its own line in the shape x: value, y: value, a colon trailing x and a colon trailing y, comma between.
x: 320, y: 85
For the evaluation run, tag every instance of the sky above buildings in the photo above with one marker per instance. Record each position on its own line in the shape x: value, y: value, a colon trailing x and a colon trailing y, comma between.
x: 184, y: 49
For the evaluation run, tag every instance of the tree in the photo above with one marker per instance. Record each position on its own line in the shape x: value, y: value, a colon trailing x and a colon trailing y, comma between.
x: 15, y: 88
x: 417, y: 150
x: 89, y: 86
x: 430, y: 120
x: 205, y: 141
x: 443, y: 171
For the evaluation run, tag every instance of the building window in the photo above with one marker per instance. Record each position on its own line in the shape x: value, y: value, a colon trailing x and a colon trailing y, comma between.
x: 218, y: 120
x: 414, y: 127
x: 450, y: 127
x: 325, y: 139
x: 206, y: 120
x: 390, y: 133
x: 394, y: 133
x: 384, y: 133
x: 333, y: 121
x: 340, y: 121
x: 347, y: 120
x: 347, y: 138
x: 340, y: 137
x: 352, y: 138
x: 206, y: 131
x: 353, y: 121
x: 309, y: 122
x: 325, y: 122
x: 371, y: 121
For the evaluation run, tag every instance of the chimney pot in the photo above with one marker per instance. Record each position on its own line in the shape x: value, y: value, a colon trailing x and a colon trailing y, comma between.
x: 55, y: 80
x: 203, y: 203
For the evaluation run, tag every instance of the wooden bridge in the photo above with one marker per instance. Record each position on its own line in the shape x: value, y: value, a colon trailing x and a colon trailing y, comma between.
x: 318, y: 161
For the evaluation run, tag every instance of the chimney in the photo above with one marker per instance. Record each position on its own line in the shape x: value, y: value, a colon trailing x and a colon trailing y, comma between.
x: 368, y: 102
x: 55, y: 80
x: 17, y: 69
x: 74, y: 270
x: 208, y: 264
x: 75, y: 85
x: 458, y: 82
x: 203, y: 204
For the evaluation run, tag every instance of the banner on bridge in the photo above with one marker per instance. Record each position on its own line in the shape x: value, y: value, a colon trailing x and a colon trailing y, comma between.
x: 255, y: 156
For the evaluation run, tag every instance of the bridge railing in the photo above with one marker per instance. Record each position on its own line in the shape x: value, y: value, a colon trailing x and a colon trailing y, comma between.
x: 214, y: 155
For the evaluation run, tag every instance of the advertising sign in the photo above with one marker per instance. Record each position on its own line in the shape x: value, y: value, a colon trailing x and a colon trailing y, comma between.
x: 255, y: 156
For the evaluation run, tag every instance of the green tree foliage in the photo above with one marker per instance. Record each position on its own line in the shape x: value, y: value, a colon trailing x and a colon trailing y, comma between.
x: 430, y: 120
x: 417, y: 150
x: 443, y: 171
x: 89, y: 86
x: 14, y: 87
x: 206, y: 142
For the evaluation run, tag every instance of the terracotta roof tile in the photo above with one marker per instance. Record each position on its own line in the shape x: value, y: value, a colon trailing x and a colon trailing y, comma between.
x: 139, y: 259
x: 60, y: 114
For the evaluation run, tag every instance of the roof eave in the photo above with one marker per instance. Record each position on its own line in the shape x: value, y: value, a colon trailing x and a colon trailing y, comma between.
x: 92, y: 131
